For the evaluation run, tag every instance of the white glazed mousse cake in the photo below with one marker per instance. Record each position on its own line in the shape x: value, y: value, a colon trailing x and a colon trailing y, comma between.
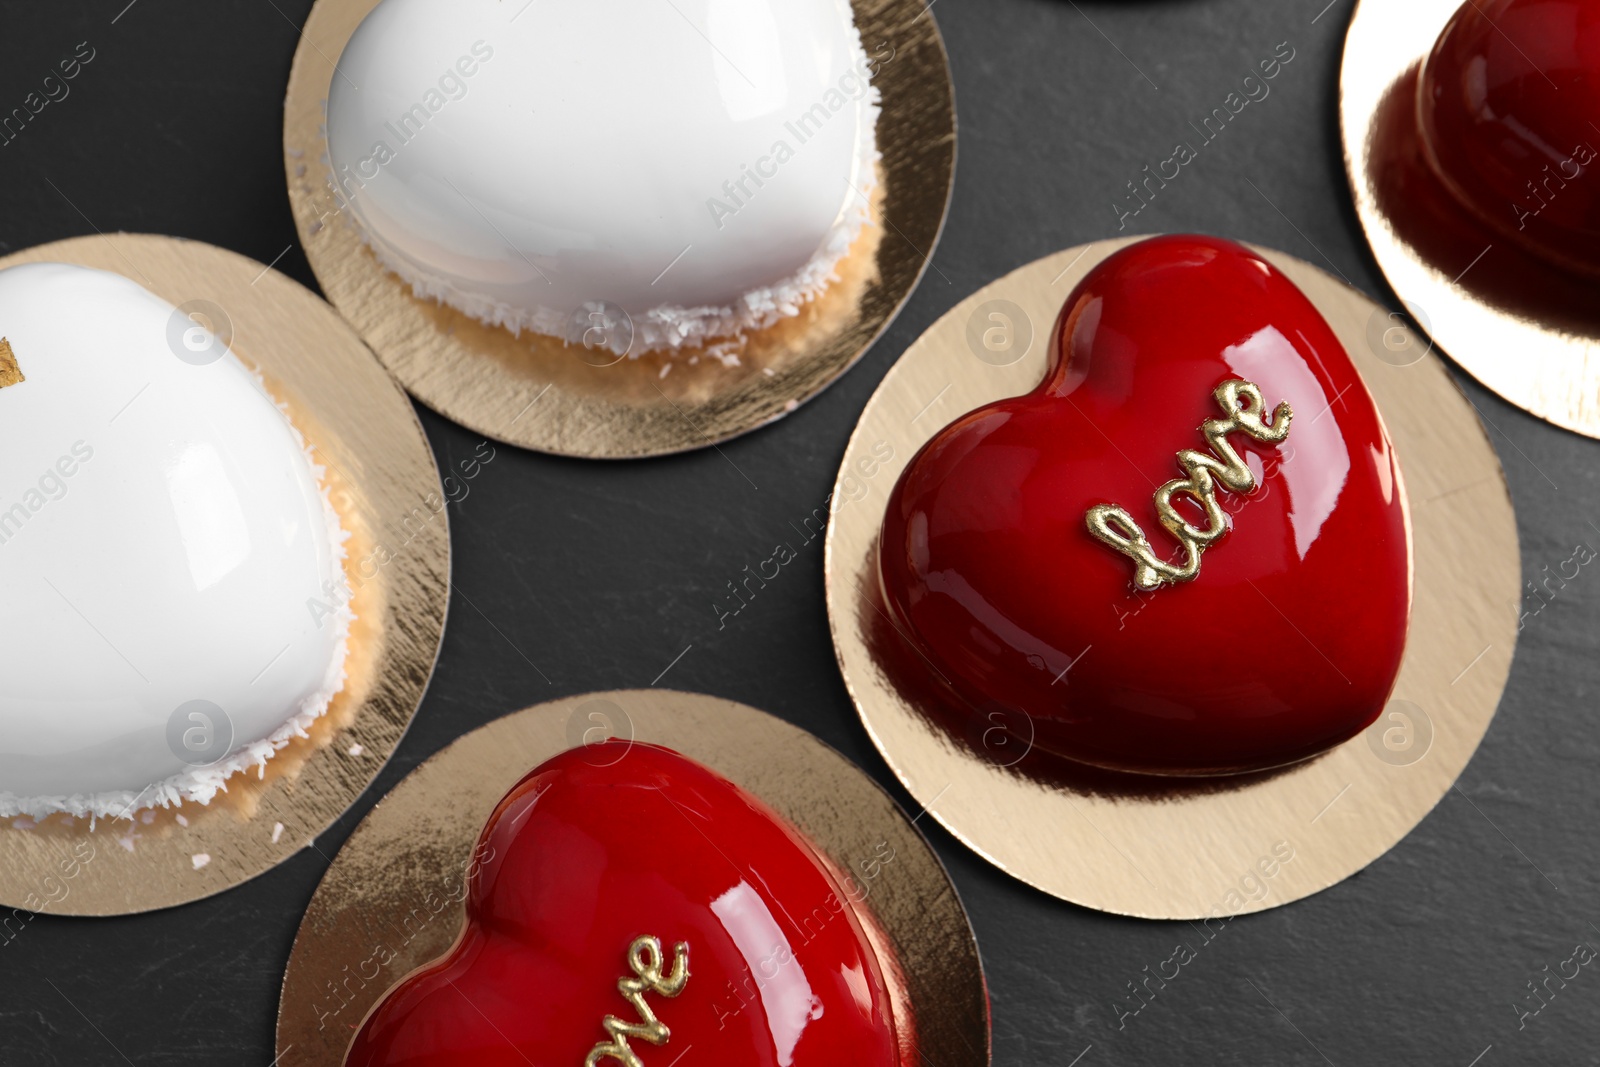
x: 163, y: 539
x: 704, y: 165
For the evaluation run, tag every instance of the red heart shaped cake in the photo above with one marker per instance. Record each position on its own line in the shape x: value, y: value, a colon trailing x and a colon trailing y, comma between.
x: 631, y: 906
x: 1187, y: 552
x: 1509, y: 111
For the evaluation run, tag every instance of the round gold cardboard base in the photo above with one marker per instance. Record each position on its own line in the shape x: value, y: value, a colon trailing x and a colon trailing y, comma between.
x: 537, y: 393
x: 1524, y: 329
x: 382, y: 479
x: 394, y: 890
x: 1184, y: 850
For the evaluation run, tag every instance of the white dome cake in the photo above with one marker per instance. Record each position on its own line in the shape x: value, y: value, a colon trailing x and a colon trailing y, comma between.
x: 164, y: 538
x: 702, y: 164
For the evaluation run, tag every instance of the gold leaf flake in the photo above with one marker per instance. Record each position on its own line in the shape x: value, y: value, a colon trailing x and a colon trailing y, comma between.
x: 10, y: 373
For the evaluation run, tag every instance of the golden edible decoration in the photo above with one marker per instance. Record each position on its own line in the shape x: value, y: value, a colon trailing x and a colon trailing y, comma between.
x: 10, y: 373
x: 644, y: 956
x: 1113, y: 526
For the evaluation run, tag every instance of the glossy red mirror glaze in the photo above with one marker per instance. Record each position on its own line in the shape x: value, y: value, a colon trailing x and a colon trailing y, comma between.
x: 1288, y: 640
x: 1509, y: 114
x: 607, y: 844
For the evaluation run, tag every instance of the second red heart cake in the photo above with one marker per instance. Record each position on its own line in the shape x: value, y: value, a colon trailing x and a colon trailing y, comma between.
x: 1187, y: 552
x: 632, y: 908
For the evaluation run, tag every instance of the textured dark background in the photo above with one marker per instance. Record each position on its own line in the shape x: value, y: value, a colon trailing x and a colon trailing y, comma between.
x: 602, y: 574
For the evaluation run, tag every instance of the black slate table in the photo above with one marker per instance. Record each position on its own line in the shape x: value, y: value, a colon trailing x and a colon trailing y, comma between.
x: 604, y: 574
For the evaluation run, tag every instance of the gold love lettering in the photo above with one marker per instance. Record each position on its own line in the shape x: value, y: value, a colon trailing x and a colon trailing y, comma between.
x: 1241, y: 402
x: 644, y: 957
